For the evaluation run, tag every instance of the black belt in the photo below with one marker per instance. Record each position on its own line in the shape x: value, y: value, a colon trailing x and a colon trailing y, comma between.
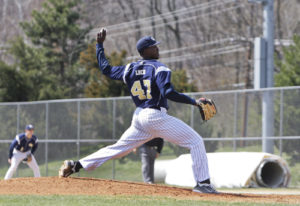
x: 155, y: 107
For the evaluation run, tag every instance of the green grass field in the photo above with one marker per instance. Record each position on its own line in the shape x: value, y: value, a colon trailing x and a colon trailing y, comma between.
x: 62, y: 200
x: 129, y: 171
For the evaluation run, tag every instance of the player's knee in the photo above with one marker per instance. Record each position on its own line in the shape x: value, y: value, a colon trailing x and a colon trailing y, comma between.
x: 34, y: 167
x: 198, y: 143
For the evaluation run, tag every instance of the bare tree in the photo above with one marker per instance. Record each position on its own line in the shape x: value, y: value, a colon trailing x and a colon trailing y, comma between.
x: 152, y: 13
x: 195, y: 33
x: 131, y: 12
x: 175, y: 29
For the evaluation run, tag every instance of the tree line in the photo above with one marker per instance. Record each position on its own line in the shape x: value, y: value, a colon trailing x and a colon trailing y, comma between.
x: 56, y: 60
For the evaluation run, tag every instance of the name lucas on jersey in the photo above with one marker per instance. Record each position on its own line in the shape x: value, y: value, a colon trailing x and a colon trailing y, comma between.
x: 140, y: 72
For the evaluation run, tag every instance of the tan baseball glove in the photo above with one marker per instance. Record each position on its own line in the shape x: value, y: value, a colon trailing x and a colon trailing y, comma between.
x: 27, y: 159
x: 207, y: 108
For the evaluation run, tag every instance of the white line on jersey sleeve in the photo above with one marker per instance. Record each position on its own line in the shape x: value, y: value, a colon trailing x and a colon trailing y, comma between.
x: 18, y: 139
x: 162, y: 68
x: 125, y: 72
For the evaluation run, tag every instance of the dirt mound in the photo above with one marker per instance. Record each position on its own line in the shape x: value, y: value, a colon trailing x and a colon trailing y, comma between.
x: 92, y: 186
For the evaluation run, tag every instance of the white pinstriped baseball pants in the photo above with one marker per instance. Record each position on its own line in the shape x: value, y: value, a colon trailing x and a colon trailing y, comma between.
x: 16, y: 160
x: 147, y: 124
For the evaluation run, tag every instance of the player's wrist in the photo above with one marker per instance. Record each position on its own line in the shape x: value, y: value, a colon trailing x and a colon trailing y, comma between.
x: 100, y: 45
x: 201, y: 100
x: 194, y: 102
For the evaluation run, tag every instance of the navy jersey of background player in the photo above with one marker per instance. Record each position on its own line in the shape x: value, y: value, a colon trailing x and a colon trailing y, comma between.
x: 146, y: 79
x: 23, y: 144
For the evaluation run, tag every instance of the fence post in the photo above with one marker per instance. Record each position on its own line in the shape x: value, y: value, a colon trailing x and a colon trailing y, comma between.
x: 235, y: 120
x: 78, y: 132
x: 192, y: 115
x: 281, y: 122
x: 18, y: 118
x: 114, y: 136
x: 46, y: 137
x: 18, y: 126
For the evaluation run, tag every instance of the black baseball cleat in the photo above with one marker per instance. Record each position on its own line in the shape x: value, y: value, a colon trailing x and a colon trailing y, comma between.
x: 205, y: 188
x: 68, y: 168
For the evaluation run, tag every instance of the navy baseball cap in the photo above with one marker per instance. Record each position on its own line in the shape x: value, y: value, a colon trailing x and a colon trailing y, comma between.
x: 145, y: 42
x: 29, y: 127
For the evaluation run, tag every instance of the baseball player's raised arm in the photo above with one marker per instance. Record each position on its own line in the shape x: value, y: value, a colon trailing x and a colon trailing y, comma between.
x: 115, y: 72
x: 11, y: 148
x: 163, y: 80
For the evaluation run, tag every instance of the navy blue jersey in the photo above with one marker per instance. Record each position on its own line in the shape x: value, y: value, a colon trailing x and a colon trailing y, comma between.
x: 23, y: 144
x: 149, y: 81
x: 146, y: 79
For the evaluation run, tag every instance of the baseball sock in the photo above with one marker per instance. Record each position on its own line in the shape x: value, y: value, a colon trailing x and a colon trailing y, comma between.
x: 205, y: 181
x: 78, y: 166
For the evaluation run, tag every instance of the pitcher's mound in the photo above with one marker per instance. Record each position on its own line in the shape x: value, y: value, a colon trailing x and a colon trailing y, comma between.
x: 93, y: 186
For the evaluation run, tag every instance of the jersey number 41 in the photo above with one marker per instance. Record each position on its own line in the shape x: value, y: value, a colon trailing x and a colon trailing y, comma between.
x: 137, y: 90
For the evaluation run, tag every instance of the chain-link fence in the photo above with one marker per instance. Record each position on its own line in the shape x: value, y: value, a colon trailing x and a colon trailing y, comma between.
x: 71, y: 129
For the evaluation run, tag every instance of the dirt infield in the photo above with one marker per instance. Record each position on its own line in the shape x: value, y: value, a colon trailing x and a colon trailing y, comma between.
x: 91, y: 186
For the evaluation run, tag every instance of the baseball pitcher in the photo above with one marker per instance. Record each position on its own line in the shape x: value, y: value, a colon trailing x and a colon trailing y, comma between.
x: 149, y: 82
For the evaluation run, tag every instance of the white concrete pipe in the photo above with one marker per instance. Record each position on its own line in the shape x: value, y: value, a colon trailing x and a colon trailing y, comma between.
x: 232, y: 169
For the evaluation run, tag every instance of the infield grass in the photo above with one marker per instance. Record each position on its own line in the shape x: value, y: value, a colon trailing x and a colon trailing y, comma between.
x: 70, y: 200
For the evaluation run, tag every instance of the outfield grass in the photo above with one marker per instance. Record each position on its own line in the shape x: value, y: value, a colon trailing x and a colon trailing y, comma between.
x: 70, y: 200
x: 131, y: 170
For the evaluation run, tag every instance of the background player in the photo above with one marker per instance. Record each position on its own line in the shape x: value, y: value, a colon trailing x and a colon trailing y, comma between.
x: 22, y: 148
x: 149, y: 152
x: 149, y: 82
